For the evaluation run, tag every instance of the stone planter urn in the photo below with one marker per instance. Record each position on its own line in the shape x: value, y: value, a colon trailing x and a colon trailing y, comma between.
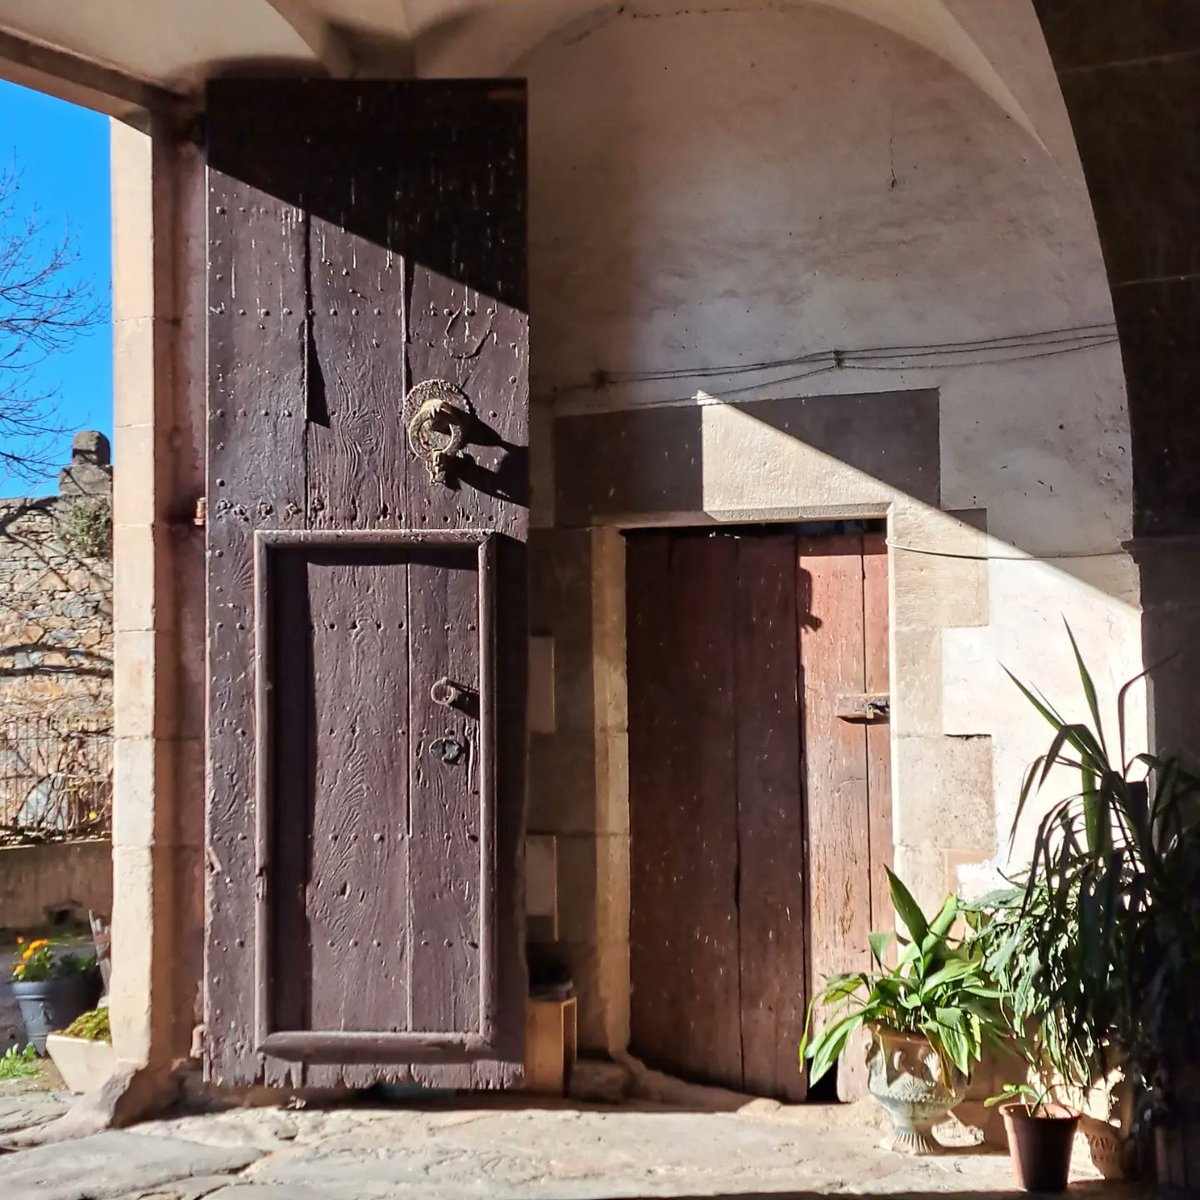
x: 84, y: 1065
x: 48, y: 1005
x: 905, y: 1076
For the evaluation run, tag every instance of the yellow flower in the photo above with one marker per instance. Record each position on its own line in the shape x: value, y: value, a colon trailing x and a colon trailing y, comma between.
x: 33, y: 947
x: 19, y: 971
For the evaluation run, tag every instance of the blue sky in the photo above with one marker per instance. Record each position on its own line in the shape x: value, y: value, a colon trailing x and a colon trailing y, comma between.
x: 61, y: 155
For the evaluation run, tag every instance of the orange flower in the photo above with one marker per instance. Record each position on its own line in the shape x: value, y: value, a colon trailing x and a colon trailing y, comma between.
x: 35, y: 946
x: 20, y: 941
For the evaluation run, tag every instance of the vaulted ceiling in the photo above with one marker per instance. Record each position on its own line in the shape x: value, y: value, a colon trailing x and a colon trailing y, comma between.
x: 121, y: 55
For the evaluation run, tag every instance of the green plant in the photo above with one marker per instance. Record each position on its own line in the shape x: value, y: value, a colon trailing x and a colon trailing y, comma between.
x: 1107, y: 933
x: 1040, y: 978
x: 92, y: 1026
x: 87, y: 526
x: 938, y: 989
x: 1036, y: 1098
x: 19, y: 1064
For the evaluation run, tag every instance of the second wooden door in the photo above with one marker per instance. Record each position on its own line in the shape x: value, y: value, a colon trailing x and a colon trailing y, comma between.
x: 759, y: 804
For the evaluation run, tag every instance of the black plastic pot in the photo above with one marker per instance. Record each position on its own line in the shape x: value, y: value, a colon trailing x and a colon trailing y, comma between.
x: 49, y: 1005
x: 1040, y: 1146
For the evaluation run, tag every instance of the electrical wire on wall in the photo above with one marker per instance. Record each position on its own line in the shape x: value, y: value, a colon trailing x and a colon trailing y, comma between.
x: 940, y: 356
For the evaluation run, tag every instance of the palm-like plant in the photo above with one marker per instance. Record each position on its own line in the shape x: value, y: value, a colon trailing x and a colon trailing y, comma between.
x: 1100, y: 949
x: 938, y: 990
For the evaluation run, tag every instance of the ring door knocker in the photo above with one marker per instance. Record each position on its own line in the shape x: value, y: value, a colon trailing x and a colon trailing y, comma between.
x: 437, y: 415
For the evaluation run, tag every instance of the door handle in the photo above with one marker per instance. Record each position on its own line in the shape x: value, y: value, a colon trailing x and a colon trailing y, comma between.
x: 438, y: 417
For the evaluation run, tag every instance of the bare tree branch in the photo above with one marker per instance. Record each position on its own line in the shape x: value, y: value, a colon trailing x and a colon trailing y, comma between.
x: 44, y: 308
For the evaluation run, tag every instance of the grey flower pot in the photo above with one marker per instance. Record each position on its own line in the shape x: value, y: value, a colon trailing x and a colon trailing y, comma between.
x: 49, y: 1005
x: 905, y: 1076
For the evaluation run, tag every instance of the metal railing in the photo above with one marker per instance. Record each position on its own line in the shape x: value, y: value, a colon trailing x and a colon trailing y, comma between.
x: 55, y: 778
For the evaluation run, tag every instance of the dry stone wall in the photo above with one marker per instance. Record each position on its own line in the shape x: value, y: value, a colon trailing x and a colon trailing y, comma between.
x: 56, y: 643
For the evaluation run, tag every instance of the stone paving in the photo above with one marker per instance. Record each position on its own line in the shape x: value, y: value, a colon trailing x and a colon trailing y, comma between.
x: 503, y: 1149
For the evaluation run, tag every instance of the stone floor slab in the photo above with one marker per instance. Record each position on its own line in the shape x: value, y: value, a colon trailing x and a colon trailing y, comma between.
x: 112, y: 1166
x: 506, y: 1149
x: 25, y: 1109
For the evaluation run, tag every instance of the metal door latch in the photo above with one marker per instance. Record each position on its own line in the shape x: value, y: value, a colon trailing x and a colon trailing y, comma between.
x: 445, y: 692
x: 864, y: 707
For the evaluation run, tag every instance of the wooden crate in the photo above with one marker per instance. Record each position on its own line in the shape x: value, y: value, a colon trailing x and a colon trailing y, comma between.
x: 551, y: 1045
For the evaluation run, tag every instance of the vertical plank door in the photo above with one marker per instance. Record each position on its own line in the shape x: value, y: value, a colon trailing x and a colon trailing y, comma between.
x: 759, y: 817
x: 843, y: 606
x: 366, y: 598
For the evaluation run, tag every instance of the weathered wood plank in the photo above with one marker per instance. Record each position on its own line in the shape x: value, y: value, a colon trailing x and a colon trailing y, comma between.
x: 255, y: 480
x: 357, y: 901
x: 771, y: 885
x: 830, y: 596
x: 878, y: 733
x: 701, y: 909
x: 446, y: 904
x: 655, y: 946
x: 355, y: 446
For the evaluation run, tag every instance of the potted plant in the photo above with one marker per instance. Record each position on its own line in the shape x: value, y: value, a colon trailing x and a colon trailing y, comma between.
x: 83, y: 1052
x: 1106, y: 936
x: 52, y: 990
x: 928, y: 1017
x: 1040, y: 1134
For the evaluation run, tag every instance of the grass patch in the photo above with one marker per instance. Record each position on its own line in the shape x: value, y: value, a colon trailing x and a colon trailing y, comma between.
x: 20, y: 1064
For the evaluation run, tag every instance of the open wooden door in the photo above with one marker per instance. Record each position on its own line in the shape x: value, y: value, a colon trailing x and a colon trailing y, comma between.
x: 367, y: 514
x: 759, y: 791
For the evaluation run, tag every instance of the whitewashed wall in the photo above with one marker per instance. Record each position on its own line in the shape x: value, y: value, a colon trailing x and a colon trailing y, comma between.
x: 733, y: 184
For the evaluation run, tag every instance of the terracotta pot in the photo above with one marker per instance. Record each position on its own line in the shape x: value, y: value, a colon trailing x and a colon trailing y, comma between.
x: 1040, y: 1147
x: 904, y: 1075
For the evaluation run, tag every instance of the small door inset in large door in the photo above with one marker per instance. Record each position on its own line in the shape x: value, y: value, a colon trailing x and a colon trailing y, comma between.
x: 375, y: 822
x: 758, y: 814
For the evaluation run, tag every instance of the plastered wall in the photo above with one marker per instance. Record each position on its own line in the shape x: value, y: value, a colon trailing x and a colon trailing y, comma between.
x: 732, y: 204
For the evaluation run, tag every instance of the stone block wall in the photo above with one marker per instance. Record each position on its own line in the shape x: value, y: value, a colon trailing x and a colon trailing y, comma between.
x: 56, y: 638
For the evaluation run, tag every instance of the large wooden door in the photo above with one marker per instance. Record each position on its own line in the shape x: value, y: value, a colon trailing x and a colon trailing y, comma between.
x: 759, y: 804
x: 367, y: 515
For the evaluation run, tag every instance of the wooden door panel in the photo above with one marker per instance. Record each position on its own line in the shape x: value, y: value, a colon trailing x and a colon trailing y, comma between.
x: 347, y: 781
x: 876, y: 671
x: 364, y: 912
x: 702, y: 911
x: 375, y: 818
x: 759, y: 819
x: 831, y: 663
x: 771, y: 883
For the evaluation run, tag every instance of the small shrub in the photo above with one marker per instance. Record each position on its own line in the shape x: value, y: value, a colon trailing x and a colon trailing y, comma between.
x: 87, y: 526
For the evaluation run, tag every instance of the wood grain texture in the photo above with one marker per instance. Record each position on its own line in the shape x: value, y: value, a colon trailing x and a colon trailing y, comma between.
x: 878, y: 733
x: 703, y: 907
x: 331, y: 202
x: 655, y: 945
x: 358, y: 902
x: 830, y: 594
x: 771, y: 885
x: 446, y: 829
x: 255, y: 480
x: 686, y: 1015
